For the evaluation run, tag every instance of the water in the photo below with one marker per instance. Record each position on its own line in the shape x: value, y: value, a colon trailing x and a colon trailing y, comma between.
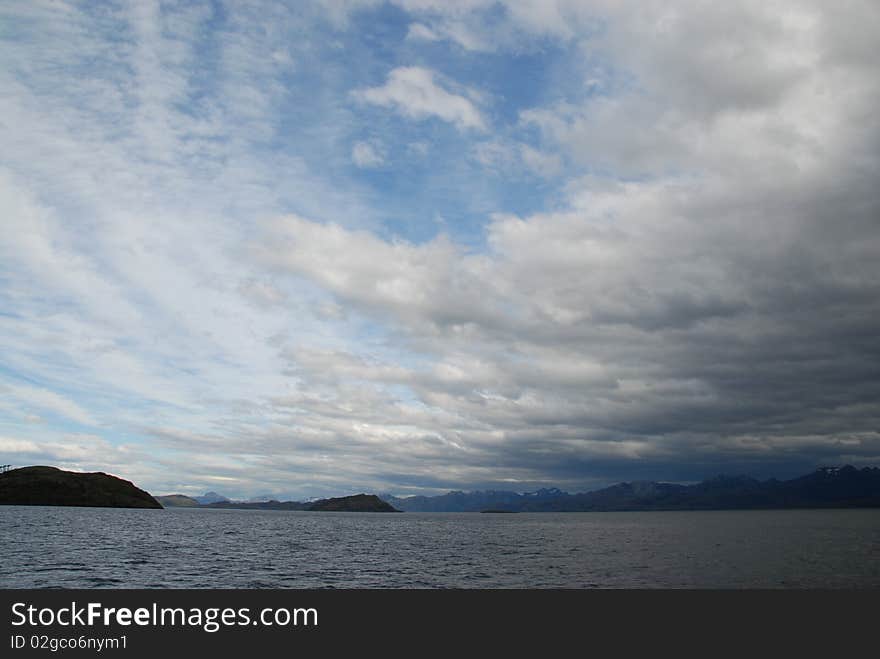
x: 184, y: 548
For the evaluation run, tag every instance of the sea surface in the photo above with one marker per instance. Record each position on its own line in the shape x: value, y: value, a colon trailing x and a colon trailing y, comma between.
x: 55, y: 547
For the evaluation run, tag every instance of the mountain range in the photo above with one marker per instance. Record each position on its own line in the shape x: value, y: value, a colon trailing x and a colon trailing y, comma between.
x: 827, y: 487
x: 210, y: 497
x: 365, y: 503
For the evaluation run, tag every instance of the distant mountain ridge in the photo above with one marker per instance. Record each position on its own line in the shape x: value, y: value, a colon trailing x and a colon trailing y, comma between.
x: 210, y: 497
x: 458, y: 501
x: 827, y: 487
x: 177, y: 501
x: 362, y: 503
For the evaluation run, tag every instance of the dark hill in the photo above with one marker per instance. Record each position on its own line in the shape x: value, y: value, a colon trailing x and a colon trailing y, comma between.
x: 49, y: 486
x: 359, y: 503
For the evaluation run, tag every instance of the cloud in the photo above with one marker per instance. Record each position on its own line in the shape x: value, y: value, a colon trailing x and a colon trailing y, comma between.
x: 12, y: 445
x: 432, y: 281
x: 513, y: 159
x: 418, y: 31
x: 44, y: 399
x: 413, y: 92
x: 490, y: 26
x: 627, y: 328
x: 366, y: 155
x: 262, y: 293
x: 657, y: 260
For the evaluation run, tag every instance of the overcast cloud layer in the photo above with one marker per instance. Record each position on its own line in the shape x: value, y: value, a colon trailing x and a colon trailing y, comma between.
x: 333, y: 247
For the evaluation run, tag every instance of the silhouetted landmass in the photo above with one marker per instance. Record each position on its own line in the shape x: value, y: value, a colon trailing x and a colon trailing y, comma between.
x: 829, y: 487
x: 358, y: 503
x: 50, y: 486
x: 177, y: 501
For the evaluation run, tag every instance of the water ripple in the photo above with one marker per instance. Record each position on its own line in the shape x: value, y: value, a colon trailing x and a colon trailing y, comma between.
x: 45, y: 547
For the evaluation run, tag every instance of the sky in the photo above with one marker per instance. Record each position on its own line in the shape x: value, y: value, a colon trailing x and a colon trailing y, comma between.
x: 324, y: 247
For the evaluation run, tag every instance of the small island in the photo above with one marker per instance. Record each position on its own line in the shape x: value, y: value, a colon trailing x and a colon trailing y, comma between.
x: 358, y: 503
x: 50, y: 486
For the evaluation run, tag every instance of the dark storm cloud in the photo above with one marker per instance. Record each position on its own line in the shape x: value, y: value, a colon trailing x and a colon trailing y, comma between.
x: 724, y: 318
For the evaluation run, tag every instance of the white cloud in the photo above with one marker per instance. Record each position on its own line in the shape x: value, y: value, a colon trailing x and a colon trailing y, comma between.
x: 367, y: 155
x: 491, y: 26
x: 514, y: 158
x: 541, y: 163
x: 363, y: 268
x: 13, y: 445
x: 414, y: 92
x: 418, y: 31
x: 44, y: 399
x: 721, y: 88
x: 262, y: 293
